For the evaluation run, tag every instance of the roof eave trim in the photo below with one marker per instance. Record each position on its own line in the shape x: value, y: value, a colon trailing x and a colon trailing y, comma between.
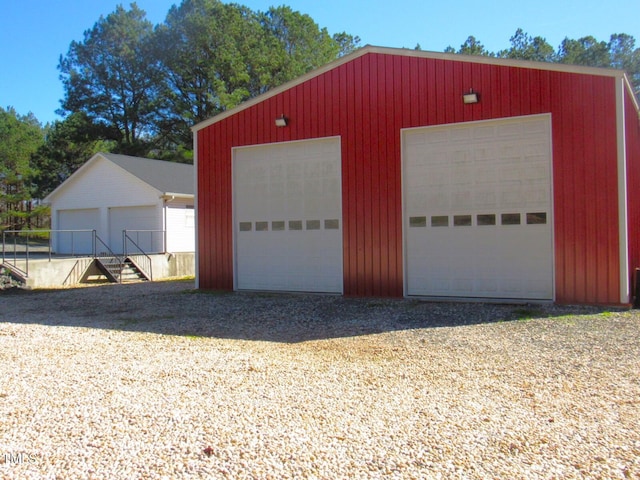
x: 169, y: 195
x: 632, y: 94
x: 285, y: 86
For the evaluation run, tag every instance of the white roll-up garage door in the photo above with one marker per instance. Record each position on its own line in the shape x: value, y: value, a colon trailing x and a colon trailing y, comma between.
x: 144, y: 225
x: 478, y: 209
x: 74, y: 235
x: 288, y: 216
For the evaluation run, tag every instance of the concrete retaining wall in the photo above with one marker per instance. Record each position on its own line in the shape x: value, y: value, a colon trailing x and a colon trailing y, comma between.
x: 62, y: 272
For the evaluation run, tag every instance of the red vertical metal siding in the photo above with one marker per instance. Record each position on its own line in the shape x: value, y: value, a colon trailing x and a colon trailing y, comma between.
x: 632, y: 138
x: 367, y: 101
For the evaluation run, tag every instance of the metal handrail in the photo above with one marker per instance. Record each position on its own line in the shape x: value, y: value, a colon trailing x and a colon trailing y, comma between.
x: 27, y: 251
x: 151, y: 238
x: 147, y: 268
x: 119, y: 259
x: 95, y: 242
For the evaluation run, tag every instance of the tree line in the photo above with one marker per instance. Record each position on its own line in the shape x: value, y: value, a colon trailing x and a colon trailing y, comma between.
x: 136, y: 88
x: 619, y: 52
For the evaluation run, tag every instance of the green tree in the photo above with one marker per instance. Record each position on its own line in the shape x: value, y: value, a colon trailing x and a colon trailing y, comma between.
x: 620, y: 52
x: 223, y: 54
x: 67, y: 145
x: 346, y: 43
x: 298, y: 44
x: 214, y: 63
x: 20, y: 137
x: 113, y: 77
x: 525, y: 47
x: 584, y: 51
x: 471, y: 46
x: 144, y: 87
x: 625, y: 56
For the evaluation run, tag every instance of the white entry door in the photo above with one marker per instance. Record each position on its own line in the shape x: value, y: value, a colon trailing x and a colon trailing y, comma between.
x: 478, y: 211
x: 288, y: 216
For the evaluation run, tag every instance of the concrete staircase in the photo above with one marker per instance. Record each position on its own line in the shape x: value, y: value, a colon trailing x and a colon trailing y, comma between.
x: 118, y: 270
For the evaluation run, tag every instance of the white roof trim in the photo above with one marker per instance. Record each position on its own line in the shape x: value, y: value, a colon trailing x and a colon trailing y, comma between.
x: 556, y: 67
x: 176, y: 195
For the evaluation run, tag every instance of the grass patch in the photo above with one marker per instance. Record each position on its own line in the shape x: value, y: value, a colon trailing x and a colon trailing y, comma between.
x: 193, y: 336
x: 526, y: 313
x: 195, y: 291
x: 129, y: 322
x: 184, y: 278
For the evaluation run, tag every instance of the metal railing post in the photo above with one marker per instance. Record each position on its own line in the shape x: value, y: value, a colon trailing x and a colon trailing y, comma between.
x: 26, y: 268
x: 27, y: 250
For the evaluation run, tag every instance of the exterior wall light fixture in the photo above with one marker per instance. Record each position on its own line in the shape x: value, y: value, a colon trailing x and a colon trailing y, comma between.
x: 471, y: 97
x: 281, y: 121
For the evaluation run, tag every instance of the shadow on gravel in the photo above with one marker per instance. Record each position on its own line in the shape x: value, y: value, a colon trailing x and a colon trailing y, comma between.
x: 175, y: 308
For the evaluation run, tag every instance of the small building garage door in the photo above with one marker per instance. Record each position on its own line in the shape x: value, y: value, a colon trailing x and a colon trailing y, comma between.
x: 144, y: 223
x: 288, y: 216
x: 478, y: 211
x: 72, y: 241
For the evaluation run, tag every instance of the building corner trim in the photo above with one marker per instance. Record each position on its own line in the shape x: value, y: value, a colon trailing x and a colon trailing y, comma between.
x: 625, y: 290
x: 195, y: 207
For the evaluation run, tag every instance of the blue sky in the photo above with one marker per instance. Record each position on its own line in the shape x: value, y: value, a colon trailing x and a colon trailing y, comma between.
x: 34, y: 33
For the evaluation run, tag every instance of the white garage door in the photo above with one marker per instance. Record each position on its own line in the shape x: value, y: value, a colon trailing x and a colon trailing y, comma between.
x: 288, y: 216
x: 72, y: 241
x: 478, y: 215
x: 144, y: 223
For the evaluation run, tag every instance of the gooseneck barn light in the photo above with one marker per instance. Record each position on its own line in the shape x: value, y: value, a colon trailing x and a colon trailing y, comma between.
x: 471, y: 97
x: 281, y: 121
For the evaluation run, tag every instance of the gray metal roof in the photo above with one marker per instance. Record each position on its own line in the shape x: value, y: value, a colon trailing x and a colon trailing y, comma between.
x: 168, y: 177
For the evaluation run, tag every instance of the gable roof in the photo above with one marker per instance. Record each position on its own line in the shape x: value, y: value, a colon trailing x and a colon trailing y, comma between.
x: 403, y: 52
x: 169, y: 178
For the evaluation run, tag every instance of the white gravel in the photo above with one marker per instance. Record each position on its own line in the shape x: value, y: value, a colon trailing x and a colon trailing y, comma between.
x: 159, y: 381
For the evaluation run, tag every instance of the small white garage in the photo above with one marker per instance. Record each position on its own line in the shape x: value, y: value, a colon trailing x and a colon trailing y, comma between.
x: 151, y: 200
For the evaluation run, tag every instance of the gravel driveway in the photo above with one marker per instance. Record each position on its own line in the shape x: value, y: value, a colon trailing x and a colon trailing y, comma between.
x: 159, y: 381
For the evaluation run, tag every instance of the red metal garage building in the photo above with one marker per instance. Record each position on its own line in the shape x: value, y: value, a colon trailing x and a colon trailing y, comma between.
x: 397, y: 172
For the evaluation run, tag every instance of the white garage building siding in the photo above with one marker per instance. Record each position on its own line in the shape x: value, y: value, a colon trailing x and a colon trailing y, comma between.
x: 111, y: 193
x: 180, y: 224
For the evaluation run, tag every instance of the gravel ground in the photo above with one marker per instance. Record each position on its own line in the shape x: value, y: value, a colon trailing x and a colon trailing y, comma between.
x: 157, y: 380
